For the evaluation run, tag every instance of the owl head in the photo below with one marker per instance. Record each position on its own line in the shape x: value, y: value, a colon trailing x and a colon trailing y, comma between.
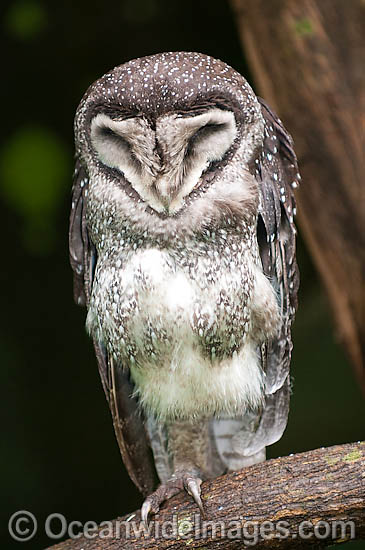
x: 166, y: 125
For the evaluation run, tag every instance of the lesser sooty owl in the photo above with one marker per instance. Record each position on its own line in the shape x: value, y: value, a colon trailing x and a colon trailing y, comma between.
x: 182, y: 244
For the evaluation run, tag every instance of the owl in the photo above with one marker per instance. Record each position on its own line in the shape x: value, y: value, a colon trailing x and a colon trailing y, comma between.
x: 182, y: 244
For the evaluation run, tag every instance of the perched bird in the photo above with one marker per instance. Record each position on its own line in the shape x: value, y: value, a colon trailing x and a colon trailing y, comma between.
x: 182, y: 244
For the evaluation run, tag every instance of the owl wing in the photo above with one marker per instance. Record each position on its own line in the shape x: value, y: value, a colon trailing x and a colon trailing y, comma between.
x: 128, y: 424
x: 242, y: 441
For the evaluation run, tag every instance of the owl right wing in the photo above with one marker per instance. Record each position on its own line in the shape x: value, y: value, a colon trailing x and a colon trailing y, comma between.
x: 242, y: 441
x: 128, y: 424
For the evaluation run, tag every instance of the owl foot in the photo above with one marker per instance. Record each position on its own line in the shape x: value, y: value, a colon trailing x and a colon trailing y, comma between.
x: 167, y: 490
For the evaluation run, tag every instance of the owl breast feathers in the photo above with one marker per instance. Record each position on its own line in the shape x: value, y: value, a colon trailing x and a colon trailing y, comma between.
x: 182, y: 244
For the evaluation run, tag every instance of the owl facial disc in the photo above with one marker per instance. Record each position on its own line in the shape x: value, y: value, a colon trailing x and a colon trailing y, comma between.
x: 163, y: 162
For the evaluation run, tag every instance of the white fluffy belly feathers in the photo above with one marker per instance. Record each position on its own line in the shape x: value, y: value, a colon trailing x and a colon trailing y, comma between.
x: 192, y: 350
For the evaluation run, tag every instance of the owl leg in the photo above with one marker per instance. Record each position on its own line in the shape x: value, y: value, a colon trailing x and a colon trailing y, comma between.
x: 190, y: 453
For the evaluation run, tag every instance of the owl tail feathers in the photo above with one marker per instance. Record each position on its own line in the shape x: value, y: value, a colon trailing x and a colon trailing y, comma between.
x: 236, y: 463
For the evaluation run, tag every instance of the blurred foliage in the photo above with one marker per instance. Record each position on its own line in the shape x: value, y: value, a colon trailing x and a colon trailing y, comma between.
x: 35, y: 170
x: 25, y: 19
x: 59, y: 452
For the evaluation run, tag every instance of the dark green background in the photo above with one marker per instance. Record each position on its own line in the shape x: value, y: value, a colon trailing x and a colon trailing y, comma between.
x: 58, y: 448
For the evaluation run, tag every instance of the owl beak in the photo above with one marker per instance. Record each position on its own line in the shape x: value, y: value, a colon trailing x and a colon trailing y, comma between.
x: 164, y: 191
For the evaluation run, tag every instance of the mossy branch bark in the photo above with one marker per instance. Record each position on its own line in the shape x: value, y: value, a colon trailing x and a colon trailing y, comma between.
x: 324, y: 487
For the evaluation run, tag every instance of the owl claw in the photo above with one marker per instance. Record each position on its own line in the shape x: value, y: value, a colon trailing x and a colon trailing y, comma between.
x: 153, y: 501
x: 145, y: 510
x: 192, y: 486
x: 168, y: 490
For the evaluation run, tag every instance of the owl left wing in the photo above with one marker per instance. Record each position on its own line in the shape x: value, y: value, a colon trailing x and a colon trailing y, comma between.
x: 277, y: 174
x: 128, y: 424
x: 241, y: 442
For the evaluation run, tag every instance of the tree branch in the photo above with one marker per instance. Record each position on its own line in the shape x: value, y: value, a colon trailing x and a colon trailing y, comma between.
x: 257, y: 504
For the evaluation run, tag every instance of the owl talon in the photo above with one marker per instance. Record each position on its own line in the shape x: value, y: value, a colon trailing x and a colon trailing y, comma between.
x: 153, y: 501
x: 168, y: 490
x: 145, y: 510
x: 192, y: 486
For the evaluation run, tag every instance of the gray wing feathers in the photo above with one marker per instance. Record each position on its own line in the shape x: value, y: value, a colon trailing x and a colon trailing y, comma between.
x: 77, y: 245
x: 130, y: 430
x: 243, y: 441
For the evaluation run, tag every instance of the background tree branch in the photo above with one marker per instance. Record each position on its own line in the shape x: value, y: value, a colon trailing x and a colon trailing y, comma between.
x: 307, y: 61
x: 326, y: 484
